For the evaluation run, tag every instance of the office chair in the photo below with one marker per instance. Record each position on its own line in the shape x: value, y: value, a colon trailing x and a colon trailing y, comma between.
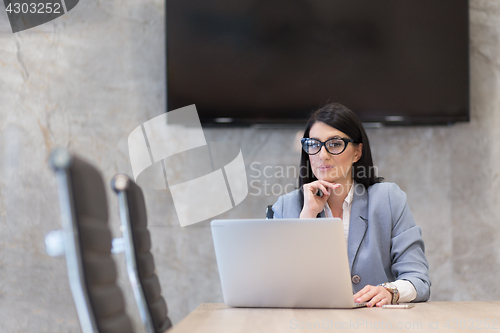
x: 86, y: 242
x: 269, y: 212
x: 140, y: 262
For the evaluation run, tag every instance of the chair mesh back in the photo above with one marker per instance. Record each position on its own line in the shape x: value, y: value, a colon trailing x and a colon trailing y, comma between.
x: 99, y: 270
x: 148, y: 279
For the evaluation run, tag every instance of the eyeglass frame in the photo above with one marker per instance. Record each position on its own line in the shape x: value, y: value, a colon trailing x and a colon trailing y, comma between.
x: 323, y: 144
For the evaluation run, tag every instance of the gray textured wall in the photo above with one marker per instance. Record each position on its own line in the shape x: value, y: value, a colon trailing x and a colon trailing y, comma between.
x: 87, y: 79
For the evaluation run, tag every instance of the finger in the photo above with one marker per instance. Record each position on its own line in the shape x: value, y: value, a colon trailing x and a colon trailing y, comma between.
x: 384, y: 301
x: 324, y: 189
x: 333, y: 186
x: 330, y: 186
x: 367, y: 296
x: 309, y: 187
x: 310, y: 190
x: 385, y: 298
x: 363, y: 291
x: 376, y: 299
x: 314, y: 187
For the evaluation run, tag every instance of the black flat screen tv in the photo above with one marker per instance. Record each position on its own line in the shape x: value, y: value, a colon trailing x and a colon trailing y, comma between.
x: 274, y: 61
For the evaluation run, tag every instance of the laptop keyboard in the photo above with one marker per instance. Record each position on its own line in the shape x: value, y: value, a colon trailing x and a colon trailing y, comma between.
x: 360, y: 305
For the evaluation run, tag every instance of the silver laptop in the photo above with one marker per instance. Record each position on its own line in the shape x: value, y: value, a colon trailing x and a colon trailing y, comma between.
x: 284, y: 263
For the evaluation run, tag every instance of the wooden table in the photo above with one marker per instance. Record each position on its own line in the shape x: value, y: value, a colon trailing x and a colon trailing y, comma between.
x: 424, y: 317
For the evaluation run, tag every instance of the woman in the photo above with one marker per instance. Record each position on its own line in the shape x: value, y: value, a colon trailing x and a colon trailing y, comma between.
x: 337, y: 179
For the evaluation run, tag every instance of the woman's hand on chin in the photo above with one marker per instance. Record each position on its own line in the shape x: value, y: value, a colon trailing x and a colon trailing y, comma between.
x: 313, y: 203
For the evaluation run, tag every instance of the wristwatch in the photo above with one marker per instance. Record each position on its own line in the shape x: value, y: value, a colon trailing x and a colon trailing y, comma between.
x: 391, y: 287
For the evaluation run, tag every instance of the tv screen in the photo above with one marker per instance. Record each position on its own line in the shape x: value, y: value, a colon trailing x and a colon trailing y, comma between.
x: 275, y: 61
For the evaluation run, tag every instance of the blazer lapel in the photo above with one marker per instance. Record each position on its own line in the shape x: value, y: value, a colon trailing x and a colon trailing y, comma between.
x: 358, y: 222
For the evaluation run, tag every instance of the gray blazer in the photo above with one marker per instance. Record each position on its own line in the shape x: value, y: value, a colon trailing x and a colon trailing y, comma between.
x: 384, y: 243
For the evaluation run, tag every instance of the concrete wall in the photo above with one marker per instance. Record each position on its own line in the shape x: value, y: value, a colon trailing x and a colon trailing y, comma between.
x: 87, y: 79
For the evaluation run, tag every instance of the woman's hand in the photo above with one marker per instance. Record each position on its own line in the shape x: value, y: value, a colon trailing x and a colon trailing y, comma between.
x: 313, y: 203
x: 374, y: 295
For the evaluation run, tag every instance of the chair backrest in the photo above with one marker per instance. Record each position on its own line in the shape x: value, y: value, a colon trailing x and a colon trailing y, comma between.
x: 87, y: 245
x: 269, y: 212
x: 140, y: 262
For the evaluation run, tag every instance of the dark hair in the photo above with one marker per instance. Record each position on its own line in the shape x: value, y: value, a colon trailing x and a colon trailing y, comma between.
x: 344, y: 120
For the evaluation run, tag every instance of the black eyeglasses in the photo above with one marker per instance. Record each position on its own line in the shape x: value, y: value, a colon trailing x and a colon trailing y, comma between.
x: 334, y: 146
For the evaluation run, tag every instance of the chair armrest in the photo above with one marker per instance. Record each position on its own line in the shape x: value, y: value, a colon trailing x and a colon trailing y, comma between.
x: 118, y: 245
x: 54, y: 243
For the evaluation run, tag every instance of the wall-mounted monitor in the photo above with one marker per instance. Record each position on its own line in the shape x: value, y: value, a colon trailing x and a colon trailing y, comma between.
x: 274, y: 61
